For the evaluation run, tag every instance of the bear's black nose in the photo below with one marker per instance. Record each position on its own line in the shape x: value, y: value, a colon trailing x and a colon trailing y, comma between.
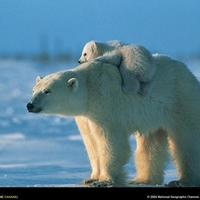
x: 30, y: 107
x: 79, y: 61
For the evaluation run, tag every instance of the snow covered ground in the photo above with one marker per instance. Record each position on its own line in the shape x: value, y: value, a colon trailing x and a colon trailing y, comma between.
x: 39, y: 150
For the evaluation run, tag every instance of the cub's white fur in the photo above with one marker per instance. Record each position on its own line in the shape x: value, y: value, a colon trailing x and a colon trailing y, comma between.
x: 136, y: 64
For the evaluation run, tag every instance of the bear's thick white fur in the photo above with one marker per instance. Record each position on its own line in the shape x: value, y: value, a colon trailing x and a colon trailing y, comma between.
x: 136, y: 64
x: 165, y: 119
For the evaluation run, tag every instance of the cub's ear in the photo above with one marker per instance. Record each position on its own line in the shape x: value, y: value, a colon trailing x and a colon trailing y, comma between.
x: 94, y: 46
x: 73, y: 84
x: 38, y: 79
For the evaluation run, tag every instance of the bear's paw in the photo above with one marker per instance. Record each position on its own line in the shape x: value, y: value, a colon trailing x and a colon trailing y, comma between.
x: 88, y: 181
x: 180, y: 184
x: 107, y: 183
x: 145, y: 182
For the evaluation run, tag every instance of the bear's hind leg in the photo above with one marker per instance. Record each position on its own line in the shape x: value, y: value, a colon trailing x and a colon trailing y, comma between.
x: 150, y: 157
x: 185, y: 152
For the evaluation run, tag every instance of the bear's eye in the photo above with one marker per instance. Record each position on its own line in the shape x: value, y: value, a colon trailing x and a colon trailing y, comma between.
x: 47, y: 91
x: 85, y: 54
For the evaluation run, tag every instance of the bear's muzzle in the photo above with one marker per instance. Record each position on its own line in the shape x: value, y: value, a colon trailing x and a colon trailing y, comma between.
x: 31, y: 108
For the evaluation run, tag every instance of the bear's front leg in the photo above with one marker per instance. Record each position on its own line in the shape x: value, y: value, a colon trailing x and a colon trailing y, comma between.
x: 113, y: 152
x: 87, y: 129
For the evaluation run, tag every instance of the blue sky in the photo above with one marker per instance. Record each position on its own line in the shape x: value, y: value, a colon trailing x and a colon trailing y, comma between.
x: 164, y: 26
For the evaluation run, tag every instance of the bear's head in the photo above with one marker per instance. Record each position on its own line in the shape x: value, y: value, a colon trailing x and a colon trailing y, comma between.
x: 59, y: 93
x: 91, y: 51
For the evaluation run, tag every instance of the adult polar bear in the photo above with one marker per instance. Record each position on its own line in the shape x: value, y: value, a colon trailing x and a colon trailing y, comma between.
x: 106, y: 117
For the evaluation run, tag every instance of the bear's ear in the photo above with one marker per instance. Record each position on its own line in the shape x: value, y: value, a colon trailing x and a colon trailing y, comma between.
x: 38, y: 79
x: 73, y: 84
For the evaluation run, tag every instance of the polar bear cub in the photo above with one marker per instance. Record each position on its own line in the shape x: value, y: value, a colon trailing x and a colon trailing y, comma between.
x: 135, y: 63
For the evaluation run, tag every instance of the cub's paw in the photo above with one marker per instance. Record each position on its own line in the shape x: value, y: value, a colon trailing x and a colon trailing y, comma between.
x: 145, y: 88
x: 130, y: 88
x: 88, y: 181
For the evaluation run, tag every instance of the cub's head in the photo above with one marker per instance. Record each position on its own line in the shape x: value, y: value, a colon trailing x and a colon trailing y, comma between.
x: 59, y: 93
x: 91, y: 51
